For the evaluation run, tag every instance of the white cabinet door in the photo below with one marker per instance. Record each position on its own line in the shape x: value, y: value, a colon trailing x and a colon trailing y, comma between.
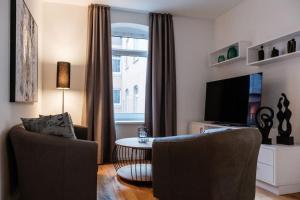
x: 265, y: 173
x: 266, y: 156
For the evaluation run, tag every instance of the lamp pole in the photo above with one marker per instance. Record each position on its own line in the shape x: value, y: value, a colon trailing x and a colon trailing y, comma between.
x: 63, y: 100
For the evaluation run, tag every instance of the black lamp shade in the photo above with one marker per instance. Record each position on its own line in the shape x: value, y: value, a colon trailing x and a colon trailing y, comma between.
x: 63, y: 80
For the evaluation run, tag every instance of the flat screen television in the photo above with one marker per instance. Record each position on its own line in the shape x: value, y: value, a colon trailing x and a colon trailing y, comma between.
x: 234, y: 101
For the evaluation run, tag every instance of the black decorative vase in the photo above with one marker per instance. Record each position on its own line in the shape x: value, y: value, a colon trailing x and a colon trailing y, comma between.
x: 261, y: 54
x: 294, y: 45
x: 264, y: 122
x: 275, y: 52
x: 291, y: 46
x: 284, y: 117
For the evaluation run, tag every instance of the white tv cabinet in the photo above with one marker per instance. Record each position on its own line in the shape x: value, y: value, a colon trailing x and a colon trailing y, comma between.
x: 278, y: 166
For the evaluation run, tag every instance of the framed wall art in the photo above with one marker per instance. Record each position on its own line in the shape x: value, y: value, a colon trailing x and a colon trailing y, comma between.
x: 23, y: 54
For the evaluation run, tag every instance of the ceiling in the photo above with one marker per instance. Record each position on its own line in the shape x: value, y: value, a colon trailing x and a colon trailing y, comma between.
x: 190, y: 8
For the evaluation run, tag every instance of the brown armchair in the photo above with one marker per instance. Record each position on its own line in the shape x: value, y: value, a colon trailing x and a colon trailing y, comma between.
x: 54, y: 168
x: 216, y: 166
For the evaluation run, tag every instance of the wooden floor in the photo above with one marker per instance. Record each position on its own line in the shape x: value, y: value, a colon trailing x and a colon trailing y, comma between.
x: 112, y: 188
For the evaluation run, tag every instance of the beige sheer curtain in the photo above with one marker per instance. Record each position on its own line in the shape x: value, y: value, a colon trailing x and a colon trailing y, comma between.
x: 160, y: 110
x: 98, y: 95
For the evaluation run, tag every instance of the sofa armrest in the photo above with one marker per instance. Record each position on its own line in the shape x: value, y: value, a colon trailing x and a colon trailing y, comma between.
x: 81, y: 132
x: 52, y: 167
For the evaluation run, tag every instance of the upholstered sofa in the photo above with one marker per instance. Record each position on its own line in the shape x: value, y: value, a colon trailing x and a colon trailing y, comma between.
x: 216, y: 166
x: 54, y: 168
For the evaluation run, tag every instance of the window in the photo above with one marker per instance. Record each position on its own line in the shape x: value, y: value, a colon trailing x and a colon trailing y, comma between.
x: 117, y: 96
x: 129, y: 51
x: 116, y: 64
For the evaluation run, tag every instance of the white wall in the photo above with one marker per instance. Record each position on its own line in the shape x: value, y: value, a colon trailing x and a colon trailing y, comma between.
x: 11, y: 112
x: 258, y: 21
x: 194, y: 41
x: 121, y: 16
x: 65, y: 36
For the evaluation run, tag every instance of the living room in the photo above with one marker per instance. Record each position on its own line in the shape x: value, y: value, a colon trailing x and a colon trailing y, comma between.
x: 137, y: 78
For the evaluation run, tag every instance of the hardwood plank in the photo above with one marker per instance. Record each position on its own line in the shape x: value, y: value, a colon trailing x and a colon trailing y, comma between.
x: 110, y: 187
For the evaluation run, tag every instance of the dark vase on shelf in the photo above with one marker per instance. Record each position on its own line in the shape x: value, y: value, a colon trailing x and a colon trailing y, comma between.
x: 275, y: 52
x: 294, y: 44
x: 261, y: 53
x: 232, y: 52
x: 291, y: 46
x: 221, y: 58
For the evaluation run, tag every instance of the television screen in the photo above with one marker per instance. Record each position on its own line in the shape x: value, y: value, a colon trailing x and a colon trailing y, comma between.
x: 234, y: 100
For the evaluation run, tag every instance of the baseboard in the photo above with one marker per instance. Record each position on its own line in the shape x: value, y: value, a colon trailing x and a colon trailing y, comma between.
x: 279, y: 190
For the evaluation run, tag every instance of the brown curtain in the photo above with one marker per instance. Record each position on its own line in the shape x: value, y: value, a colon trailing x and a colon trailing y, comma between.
x: 99, y: 97
x: 160, y: 110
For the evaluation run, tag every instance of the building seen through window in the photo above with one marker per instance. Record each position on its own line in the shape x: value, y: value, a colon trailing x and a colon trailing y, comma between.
x: 117, y: 96
x: 129, y: 63
x: 116, y: 64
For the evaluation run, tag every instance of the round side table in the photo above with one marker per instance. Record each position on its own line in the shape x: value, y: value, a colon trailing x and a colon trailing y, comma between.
x: 132, y: 160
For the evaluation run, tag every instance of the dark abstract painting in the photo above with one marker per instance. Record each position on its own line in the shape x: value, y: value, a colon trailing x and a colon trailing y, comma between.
x: 24, y: 54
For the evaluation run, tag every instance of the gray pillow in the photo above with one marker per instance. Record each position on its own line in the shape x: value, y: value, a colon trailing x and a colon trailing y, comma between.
x: 35, y: 124
x: 57, y: 125
x: 60, y: 125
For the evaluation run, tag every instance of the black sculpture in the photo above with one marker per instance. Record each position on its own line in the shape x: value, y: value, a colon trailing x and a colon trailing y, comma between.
x: 284, y: 117
x: 264, y: 121
x: 275, y: 52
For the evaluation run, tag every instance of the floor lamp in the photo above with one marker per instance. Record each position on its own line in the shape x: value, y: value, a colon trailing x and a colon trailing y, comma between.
x: 63, y: 80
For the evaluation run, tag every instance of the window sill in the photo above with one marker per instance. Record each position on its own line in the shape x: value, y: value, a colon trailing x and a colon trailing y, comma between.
x: 130, y: 122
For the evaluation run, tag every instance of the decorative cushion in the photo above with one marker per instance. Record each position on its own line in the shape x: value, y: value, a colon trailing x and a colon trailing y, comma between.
x: 35, y: 124
x: 57, y: 125
x: 60, y: 125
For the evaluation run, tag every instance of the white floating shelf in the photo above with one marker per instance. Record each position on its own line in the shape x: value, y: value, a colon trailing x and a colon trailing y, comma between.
x: 280, y: 43
x: 276, y: 59
x: 242, y: 52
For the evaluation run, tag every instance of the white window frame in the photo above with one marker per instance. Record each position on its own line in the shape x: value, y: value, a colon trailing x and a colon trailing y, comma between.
x: 131, y: 53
